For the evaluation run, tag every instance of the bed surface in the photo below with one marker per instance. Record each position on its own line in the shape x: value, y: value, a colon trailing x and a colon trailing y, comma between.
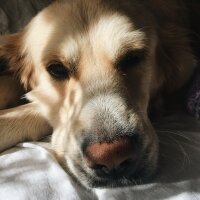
x: 29, y: 171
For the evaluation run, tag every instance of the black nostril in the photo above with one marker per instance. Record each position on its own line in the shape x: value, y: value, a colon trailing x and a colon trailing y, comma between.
x: 106, y: 170
x: 101, y: 169
x: 125, y: 164
x: 97, y: 167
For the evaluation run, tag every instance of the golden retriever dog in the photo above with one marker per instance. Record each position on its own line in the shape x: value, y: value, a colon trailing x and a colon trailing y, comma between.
x: 91, y: 70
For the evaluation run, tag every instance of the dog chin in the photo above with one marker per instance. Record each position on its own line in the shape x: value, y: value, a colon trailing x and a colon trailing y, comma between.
x: 143, y: 174
x: 140, y: 177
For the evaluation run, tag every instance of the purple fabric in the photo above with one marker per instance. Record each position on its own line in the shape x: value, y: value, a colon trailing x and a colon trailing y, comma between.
x: 193, y: 102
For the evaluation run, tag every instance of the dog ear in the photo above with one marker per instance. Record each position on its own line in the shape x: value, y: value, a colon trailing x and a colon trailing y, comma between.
x: 175, y: 58
x: 7, y: 52
x: 14, y: 59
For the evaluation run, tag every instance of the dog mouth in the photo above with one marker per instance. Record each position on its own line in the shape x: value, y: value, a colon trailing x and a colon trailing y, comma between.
x: 117, y: 180
x: 138, y: 174
x: 110, y: 151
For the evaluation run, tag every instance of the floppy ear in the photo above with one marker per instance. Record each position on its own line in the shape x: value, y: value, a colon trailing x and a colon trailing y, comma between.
x: 14, y: 59
x: 175, y: 58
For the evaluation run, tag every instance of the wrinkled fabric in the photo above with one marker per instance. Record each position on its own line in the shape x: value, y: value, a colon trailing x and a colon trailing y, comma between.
x: 30, y: 171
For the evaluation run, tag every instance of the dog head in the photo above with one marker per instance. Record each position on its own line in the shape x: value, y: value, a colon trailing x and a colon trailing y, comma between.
x: 92, y: 68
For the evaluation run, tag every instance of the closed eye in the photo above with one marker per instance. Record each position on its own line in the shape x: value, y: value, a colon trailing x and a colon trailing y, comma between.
x: 130, y: 59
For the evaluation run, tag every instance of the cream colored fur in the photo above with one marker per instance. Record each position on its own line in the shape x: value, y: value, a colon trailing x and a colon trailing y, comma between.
x: 90, y: 38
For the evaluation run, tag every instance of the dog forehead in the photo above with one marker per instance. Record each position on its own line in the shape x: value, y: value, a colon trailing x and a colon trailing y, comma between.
x: 113, y: 33
x: 60, y: 29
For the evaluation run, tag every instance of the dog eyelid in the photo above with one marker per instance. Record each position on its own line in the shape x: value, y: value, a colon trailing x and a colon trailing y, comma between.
x: 58, y: 71
x: 130, y: 59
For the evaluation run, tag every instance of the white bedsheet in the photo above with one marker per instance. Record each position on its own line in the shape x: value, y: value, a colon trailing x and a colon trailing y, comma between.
x: 30, y: 171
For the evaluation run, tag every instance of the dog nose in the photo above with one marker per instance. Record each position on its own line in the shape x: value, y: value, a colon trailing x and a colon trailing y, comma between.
x: 108, y: 157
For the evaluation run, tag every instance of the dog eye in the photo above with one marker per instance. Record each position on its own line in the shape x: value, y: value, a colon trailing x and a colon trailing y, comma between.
x: 58, y: 71
x: 129, y: 60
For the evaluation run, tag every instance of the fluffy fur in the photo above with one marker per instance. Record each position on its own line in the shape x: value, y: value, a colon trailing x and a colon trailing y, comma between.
x: 119, y: 54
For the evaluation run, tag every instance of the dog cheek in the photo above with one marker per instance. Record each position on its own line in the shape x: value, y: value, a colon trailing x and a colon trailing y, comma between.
x: 47, y: 102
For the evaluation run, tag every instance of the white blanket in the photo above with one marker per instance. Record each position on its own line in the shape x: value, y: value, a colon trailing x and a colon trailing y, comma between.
x: 30, y: 171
